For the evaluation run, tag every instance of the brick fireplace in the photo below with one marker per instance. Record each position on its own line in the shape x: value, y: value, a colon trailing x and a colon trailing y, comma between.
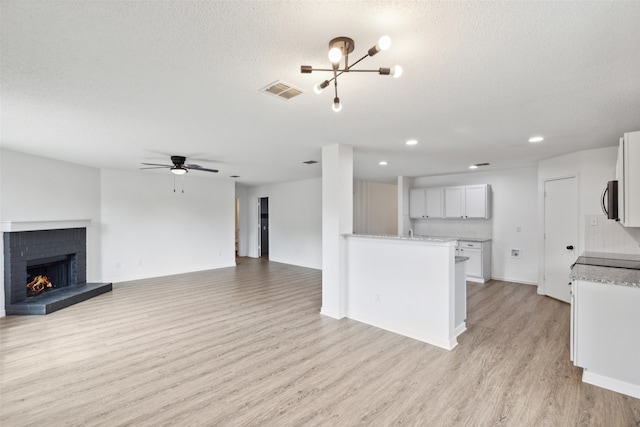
x: 59, y: 255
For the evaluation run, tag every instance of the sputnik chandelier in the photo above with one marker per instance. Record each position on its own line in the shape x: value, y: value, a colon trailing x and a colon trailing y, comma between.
x: 339, y: 48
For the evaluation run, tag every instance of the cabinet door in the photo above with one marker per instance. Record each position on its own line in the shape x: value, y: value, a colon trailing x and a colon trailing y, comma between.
x: 454, y: 202
x: 474, y: 263
x: 433, y: 201
x: 475, y: 201
x: 416, y: 203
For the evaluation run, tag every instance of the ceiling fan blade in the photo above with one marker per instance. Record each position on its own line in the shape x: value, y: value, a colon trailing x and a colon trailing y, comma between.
x: 200, y: 168
x: 155, y: 164
x: 156, y: 167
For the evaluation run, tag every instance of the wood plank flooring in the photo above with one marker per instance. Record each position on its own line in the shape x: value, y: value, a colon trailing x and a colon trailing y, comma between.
x: 246, y: 346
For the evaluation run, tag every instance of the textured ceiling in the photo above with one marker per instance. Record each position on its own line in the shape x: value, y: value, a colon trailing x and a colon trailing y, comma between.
x: 115, y: 83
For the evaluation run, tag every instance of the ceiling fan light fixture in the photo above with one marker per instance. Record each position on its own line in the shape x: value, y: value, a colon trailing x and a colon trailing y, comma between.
x: 178, y: 170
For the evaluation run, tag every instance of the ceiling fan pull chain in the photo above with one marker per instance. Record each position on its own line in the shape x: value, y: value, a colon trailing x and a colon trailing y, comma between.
x: 174, y: 183
x: 182, y: 179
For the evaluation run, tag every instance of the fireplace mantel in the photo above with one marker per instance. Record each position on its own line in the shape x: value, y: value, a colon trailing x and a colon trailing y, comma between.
x: 10, y: 226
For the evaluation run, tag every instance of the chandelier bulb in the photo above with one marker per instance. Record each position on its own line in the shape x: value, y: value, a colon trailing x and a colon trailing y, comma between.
x: 396, y: 71
x: 317, y: 89
x: 384, y: 43
x: 337, y: 105
x: 335, y: 55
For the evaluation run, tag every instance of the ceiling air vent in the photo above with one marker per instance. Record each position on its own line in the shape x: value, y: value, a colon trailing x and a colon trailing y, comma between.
x: 281, y: 90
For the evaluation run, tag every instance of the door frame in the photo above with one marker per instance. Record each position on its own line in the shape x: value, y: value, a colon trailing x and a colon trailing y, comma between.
x: 542, y: 211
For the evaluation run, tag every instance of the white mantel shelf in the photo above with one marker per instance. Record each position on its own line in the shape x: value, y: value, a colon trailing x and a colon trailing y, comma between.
x: 10, y: 226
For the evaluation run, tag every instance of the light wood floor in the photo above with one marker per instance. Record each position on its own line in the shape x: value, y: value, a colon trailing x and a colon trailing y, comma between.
x: 247, y: 346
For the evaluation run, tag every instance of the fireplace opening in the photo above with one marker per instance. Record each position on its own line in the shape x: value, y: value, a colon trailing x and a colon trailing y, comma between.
x: 47, y: 274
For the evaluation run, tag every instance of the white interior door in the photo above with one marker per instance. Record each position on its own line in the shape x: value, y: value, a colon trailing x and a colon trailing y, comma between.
x: 560, y: 235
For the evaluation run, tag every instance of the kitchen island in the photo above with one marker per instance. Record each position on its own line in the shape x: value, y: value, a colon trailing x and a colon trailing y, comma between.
x: 407, y: 285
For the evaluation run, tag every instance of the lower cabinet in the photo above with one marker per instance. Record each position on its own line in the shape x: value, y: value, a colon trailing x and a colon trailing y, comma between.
x: 605, y: 335
x: 478, y: 267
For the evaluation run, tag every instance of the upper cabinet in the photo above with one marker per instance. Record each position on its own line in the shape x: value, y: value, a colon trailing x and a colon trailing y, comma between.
x: 628, y: 175
x: 466, y: 202
x: 426, y: 203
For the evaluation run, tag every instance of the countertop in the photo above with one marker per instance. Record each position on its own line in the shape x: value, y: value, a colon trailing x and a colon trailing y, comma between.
x: 439, y: 239
x: 422, y: 238
x: 608, y: 275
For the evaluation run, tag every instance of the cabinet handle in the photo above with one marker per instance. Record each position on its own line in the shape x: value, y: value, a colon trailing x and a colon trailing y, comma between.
x: 570, y: 247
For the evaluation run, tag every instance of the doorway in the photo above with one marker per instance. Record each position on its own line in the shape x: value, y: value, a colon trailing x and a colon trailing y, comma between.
x: 561, y: 223
x: 263, y: 210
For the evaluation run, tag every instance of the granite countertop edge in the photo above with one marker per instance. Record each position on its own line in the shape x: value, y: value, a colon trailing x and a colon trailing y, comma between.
x: 420, y: 238
x: 606, y: 275
x: 397, y: 237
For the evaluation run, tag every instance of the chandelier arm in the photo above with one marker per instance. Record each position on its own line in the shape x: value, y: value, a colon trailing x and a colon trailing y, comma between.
x: 349, y: 67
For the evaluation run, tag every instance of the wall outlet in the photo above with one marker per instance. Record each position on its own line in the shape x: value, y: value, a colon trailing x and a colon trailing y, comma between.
x: 518, y: 229
x: 515, y: 253
x: 377, y: 297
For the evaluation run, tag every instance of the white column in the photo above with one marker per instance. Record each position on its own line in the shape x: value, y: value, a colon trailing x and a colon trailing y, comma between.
x: 404, y: 222
x: 337, y: 219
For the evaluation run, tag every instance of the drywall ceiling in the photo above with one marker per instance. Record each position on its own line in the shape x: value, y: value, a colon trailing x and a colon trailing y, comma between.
x: 111, y: 84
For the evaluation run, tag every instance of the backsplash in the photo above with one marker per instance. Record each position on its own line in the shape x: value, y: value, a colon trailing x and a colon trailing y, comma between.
x: 610, y: 236
x: 453, y: 227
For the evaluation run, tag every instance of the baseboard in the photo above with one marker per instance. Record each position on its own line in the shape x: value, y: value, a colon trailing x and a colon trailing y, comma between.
x: 522, y: 282
x: 459, y: 329
x: 3, y: 313
x: 612, y: 384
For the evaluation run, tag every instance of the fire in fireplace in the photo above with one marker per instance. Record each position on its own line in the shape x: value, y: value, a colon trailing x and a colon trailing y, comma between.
x: 46, y: 274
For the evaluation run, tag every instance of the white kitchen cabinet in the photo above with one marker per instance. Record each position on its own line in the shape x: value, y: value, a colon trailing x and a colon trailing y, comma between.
x: 628, y: 175
x: 605, y: 337
x: 469, y: 201
x: 462, y: 202
x: 454, y: 202
x: 476, y: 201
x: 478, y: 267
x: 426, y: 202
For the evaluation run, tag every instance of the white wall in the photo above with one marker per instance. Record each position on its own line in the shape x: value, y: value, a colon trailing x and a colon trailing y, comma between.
x: 375, y: 208
x: 41, y: 189
x: 149, y: 231
x: 514, y: 204
x: 295, y: 221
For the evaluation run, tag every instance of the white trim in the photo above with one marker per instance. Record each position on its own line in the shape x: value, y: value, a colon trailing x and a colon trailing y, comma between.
x: 9, y: 226
x: 522, y: 282
x: 460, y: 329
x: 613, y: 384
x: 3, y: 313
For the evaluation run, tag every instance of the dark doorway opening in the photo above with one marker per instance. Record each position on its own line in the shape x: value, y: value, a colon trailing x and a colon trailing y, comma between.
x: 264, y: 226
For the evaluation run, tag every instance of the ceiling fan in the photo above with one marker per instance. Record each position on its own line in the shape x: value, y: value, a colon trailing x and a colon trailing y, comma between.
x: 179, y: 167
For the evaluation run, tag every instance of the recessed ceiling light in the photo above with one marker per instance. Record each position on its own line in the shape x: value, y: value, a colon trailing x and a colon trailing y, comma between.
x: 535, y: 139
x: 383, y: 163
x: 411, y: 142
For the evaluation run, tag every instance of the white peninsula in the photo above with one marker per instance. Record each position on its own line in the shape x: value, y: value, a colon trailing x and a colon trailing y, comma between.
x: 413, y: 286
